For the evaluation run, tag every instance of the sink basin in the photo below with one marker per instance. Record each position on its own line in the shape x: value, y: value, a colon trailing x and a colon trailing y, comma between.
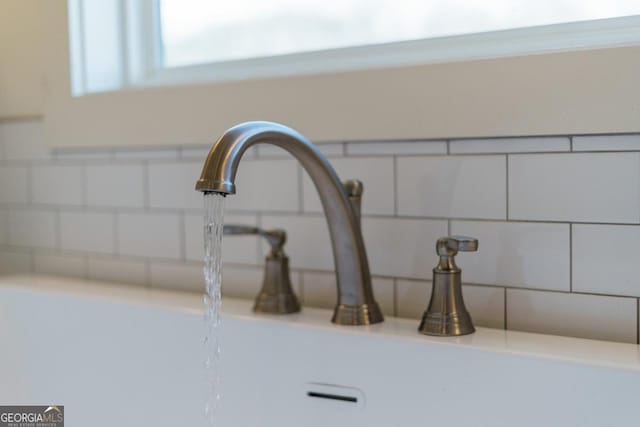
x: 126, y: 356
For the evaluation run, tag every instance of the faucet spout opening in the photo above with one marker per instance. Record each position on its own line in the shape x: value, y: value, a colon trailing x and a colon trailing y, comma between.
x: 356, y: 304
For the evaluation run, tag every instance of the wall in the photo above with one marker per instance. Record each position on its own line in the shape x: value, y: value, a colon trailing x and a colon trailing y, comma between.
x: 558, y: 219
x: 21, y: 75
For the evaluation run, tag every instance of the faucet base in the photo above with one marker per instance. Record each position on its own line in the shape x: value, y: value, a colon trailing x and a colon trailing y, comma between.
x: 446, y: 324
x: 284, y: 303
x: 365, y: 314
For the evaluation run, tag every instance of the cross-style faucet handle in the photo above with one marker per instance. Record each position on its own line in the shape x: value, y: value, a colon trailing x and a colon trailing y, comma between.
x: 450, y: 246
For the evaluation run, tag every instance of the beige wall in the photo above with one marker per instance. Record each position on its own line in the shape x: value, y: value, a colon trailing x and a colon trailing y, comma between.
x: 21, y: 58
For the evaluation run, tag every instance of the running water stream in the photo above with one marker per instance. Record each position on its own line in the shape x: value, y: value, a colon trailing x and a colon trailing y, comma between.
x: 213, y: 226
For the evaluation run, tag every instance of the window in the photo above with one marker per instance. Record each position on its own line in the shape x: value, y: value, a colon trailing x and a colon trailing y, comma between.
x: 197, y: 31
x: 118, y: 44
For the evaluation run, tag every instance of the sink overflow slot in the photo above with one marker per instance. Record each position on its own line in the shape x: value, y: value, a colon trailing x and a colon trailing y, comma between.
x: 339, y: 397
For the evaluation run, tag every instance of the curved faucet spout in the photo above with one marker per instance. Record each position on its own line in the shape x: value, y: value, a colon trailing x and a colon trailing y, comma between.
x: 356, y: 304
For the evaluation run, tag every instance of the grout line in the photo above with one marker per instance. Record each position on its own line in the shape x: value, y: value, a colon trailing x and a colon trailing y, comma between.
x: 175, y: 211
x: 344, y: 149
x: 638, y: 321
x: 395, y: 297
x: 507, y: 186
x: 448, y: 146
x: 395, y: 185
x: 570, y: 257
x: 505, y: 309
x: 448, y: 227
x: 571, y: 144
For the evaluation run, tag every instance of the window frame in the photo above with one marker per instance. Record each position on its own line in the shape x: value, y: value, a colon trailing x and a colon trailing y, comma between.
x: 141, y: 64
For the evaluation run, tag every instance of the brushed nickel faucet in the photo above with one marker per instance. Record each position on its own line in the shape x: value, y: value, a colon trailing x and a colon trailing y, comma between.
x: 356, y: 304
x: 447, y: 315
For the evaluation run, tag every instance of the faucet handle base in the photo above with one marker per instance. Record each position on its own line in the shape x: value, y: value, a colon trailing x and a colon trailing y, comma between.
x: 276, y: 295
x: 284, y: 303
x: 446, y: 324
x: 365, y: 314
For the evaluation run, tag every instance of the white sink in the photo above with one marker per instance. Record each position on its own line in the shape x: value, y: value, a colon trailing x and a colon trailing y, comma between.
x: 126, y: 356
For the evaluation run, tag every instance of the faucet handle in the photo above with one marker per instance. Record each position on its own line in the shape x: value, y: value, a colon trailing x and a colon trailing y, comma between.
x: 276, y: 237
x: 448, y: 248
x: 451, y: 245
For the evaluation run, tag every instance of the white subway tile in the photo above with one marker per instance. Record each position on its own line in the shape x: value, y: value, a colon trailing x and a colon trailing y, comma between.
x: 576, y: 315
x: 456, y: 186
x: 115, y: 185
x: 509, y: 145
x: 242, y: 249
x: 178, y: 276
x: 172, y: 185
x: 267, y: 151
x: 116, y: 269
x: 24, y: 140
x: 401, y: 148
x: 575, y: 187
x: 484, y: 303
x: 605, y: 259
x: 402, y: 247
x: 376, y: 175
x: 146, y: 154
x: 320, y: 290
x: 607, y: 142
x: 267, y: 185
x: 412, y: 298
x: 32, y: 228
x: 13, y: 262
x: 246, y: 282
x: 87, y: 231
x: 308, y: 243
x: 59, y: 185
x: 60, y: 265
x: 516, y: 254
x: 149, y: 235
x: 195, y: 153
x: 14, y: 184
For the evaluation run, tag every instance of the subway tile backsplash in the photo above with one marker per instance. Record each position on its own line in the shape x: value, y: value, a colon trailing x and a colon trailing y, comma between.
x: 558, y: 218
x: 452, y: 186
x: 580, y: 187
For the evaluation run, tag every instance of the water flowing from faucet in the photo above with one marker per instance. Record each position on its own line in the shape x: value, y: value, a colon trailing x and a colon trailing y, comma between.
x: 213, y: 229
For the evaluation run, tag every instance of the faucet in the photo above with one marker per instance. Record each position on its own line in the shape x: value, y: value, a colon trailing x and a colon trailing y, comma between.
x: 356, y: 304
